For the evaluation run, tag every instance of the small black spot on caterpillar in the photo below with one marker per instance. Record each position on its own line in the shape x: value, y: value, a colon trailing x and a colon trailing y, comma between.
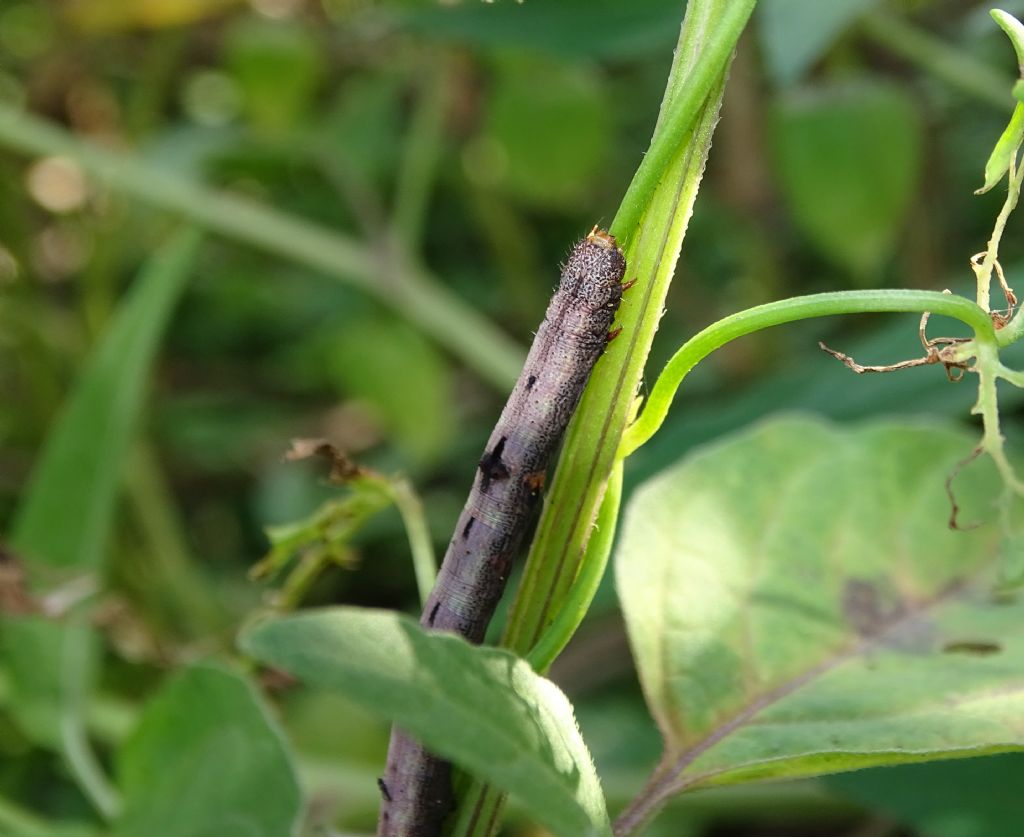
x: 491, y: 466
x: 383, y: 790
x: 472, y: 577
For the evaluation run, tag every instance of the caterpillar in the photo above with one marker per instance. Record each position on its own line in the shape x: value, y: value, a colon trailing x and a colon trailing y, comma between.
x: 416, y: 788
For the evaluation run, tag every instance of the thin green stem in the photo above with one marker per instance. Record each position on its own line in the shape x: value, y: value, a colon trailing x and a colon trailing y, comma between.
x: 420, y: 544
x: 419, y: 160
x: 786, y: 311
x: 650, y: 224
x: 992, y: 442
x: 983, y: 271
x: 952, y: 65
x: 75, y: 747
x: 1014, y: 330
x: 1013, y: 376
x: 584, y: 587
x: 411, y: 291
x: 109, y: 720
x: 589, y: 450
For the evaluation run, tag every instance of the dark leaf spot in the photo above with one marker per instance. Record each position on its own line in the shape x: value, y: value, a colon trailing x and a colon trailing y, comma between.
x: 974, y: 647
x: 867, y: 609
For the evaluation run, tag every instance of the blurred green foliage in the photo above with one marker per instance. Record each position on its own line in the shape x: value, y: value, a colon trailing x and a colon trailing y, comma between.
x: 848, y: 158
x: 840, y: 160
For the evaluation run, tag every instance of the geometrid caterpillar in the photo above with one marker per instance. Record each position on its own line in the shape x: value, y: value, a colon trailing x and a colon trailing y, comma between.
x: 416, y: 787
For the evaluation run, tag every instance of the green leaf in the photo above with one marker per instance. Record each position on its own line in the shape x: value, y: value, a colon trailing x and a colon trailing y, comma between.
x: 796, y: 33
x: 364, y: 125
x: 848, y: 158
x: 300, y: 549
x: 1014, y: 31
x: 206, y: 760
x: 569, y: 28
x: 62, y: 526
x: 1006, y: 147
x: 64, y: 519
x: 482, y: 708
x: 798, y: 605
x: 547, y: 132
x: 404, y: 378
x: 278, y: 66
x: 962, y: 798
x: 1005, y: 150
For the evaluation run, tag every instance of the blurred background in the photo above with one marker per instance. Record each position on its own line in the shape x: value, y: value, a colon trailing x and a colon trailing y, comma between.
x: 462, y: 147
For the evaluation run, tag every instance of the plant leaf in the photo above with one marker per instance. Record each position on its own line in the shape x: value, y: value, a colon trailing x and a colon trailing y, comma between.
x: 62, y: 526
x: 848, y: 157
x: 798, y: 605
x: 1014, y: 31
x: 796, y: 33
x: 482, y: 708
x: 405, y: 379
x: 278, y: 67
x: 567, y: 29
x: 944, y: 799
x: 552, y: 123
x: 1005, y: 150
x: 206, y: 760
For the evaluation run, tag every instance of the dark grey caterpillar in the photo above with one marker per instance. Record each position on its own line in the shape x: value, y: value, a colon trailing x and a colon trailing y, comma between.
x: 416, y: 788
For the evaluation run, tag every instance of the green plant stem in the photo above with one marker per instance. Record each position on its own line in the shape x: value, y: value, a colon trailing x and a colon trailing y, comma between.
x: 650, y: 224
x: 411, y: 291
x: 987, y: 407
x: 933, y: 55
x: 787, y: 311
x: 590, y: 446
x: 983, y: 271
x: 421, y: 153
x: 1015, y: 329
x: 109, y: 719
x: 421, y: 546
x: 75, y: 747
x: 715, y: 37
x: 1014, y: 376
x: 584, y: 588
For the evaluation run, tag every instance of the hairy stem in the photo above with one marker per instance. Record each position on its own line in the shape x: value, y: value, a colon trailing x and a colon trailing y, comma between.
x: 595, y: 560
x: 652, y: 220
